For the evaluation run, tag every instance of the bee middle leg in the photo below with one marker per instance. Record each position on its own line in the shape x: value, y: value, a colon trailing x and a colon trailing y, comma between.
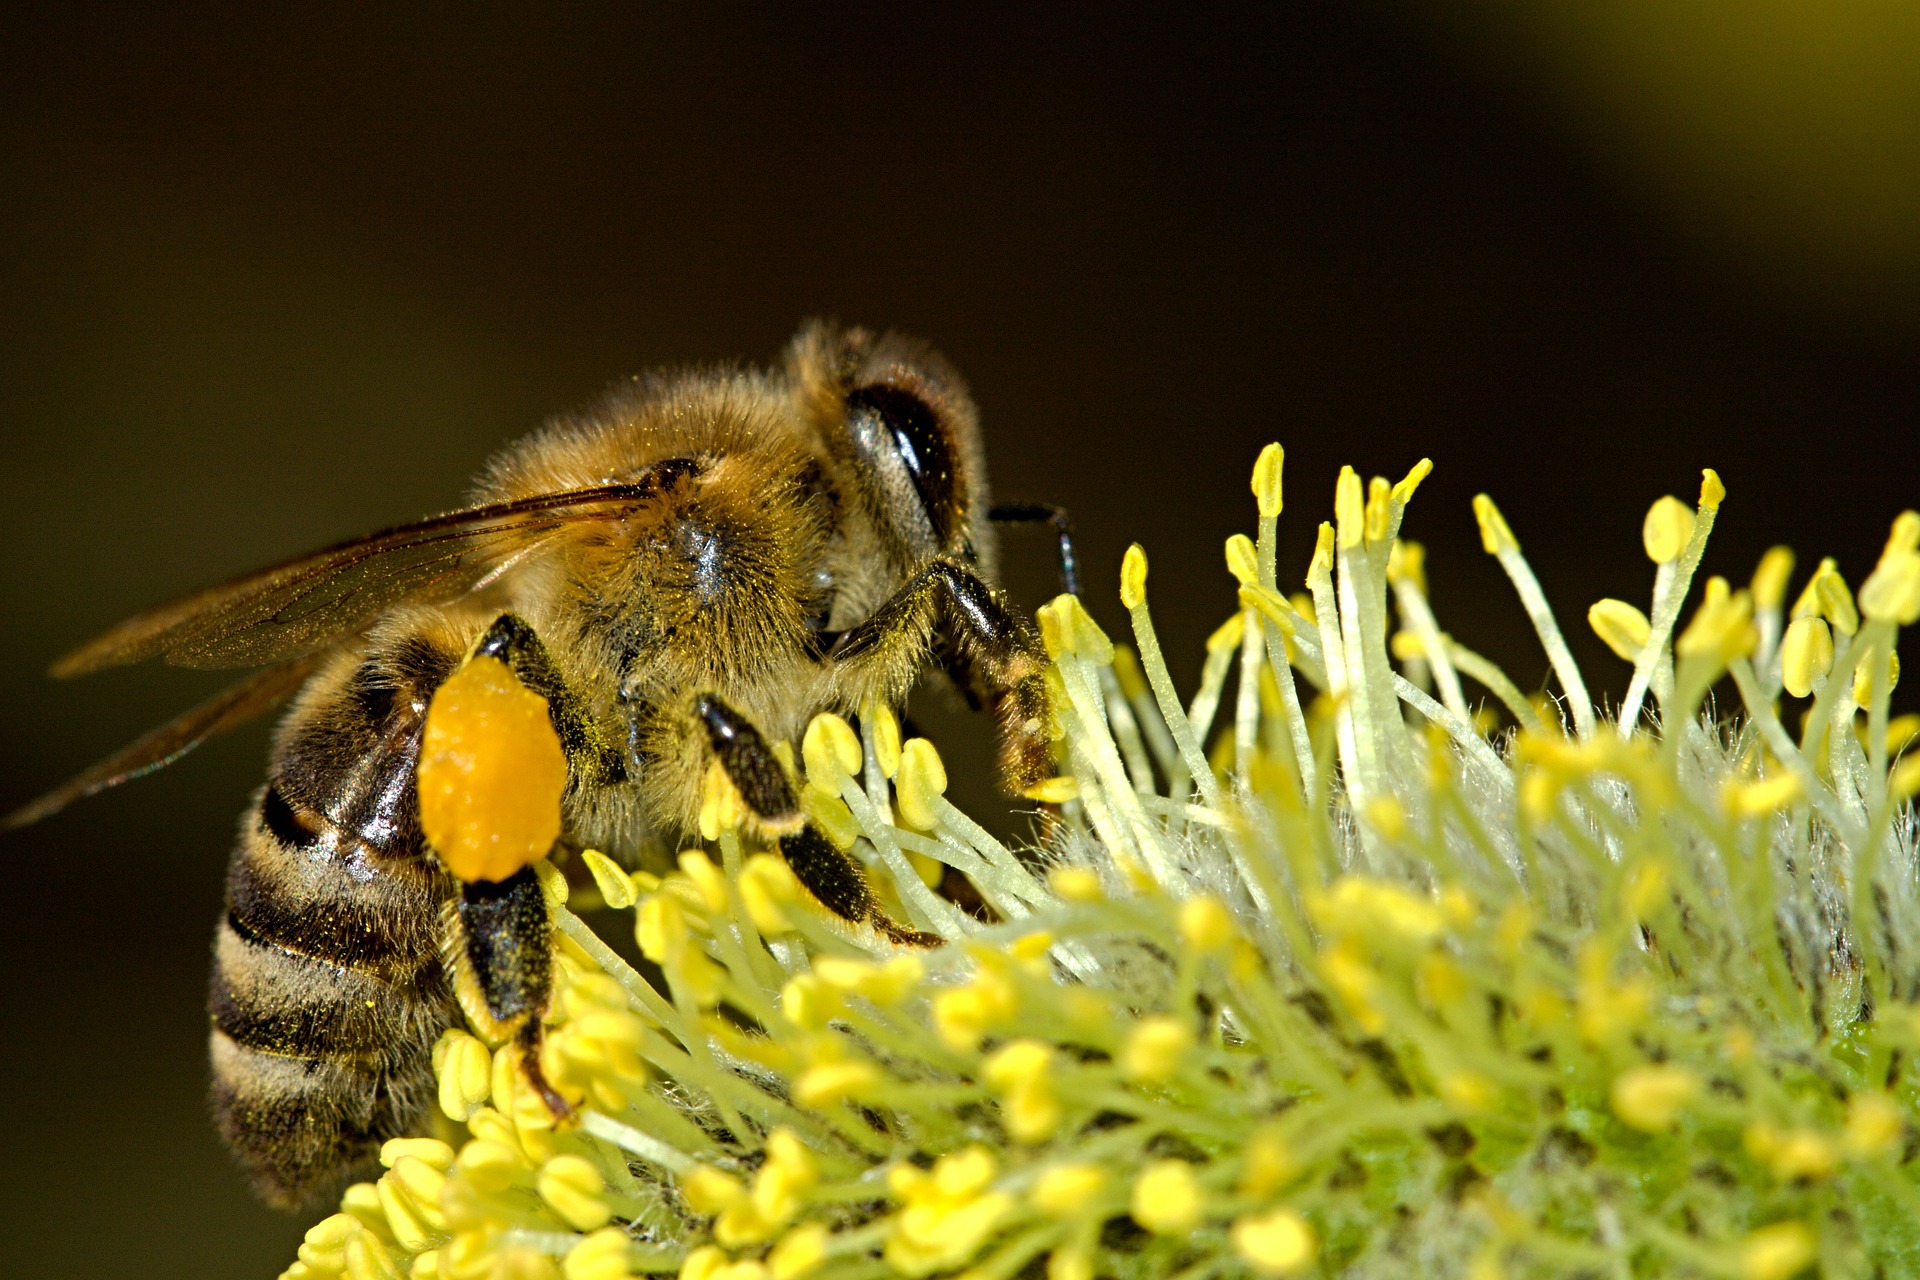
x: 830, y: 875
x: 1056, y: 519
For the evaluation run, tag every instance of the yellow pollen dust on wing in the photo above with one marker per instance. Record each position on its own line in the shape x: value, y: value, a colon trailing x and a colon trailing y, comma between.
x: 491, y: 773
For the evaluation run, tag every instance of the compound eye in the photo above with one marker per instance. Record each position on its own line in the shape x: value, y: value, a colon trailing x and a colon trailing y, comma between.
x: 885, y: 420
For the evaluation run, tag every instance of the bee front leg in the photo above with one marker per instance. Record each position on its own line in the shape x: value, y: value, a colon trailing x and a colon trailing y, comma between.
x: 829, y: 874
x: 994, y: 653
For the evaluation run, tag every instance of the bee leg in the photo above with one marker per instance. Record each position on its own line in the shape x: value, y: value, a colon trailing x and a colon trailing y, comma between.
x: 1057, y: 519
x: 503, y: 966
x: 995, y: 650
x: 750, y: 765
x: 590, y: 759
x: 830, y: 875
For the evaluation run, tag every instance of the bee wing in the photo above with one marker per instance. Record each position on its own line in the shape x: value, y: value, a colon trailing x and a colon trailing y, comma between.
x: 304, y: 604
x: 229, y: 709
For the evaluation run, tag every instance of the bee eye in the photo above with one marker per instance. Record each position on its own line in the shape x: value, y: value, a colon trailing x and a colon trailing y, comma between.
x: 886, y: 419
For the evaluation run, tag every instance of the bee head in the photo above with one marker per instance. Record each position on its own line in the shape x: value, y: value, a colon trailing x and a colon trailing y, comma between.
x: 903, y: 435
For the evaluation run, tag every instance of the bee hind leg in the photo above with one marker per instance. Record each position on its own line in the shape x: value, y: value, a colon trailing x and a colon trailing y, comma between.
x: 829, y: 874
x: 502, y: 962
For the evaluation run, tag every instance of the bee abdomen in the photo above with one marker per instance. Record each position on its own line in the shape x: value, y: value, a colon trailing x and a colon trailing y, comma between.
x: 326, y: 998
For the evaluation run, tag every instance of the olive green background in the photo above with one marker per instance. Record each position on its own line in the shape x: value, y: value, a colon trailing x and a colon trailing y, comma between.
x: 268, y: 282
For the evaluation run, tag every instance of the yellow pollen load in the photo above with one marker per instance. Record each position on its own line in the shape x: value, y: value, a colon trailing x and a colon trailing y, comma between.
x: 491, y: 773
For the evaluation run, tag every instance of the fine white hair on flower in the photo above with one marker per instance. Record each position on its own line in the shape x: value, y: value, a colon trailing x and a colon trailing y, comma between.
x: 1349, y: 957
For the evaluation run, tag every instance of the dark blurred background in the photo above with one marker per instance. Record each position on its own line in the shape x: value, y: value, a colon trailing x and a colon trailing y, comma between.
x: 266, y: 282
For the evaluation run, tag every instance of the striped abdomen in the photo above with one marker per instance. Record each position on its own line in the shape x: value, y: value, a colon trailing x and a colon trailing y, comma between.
x: 327, y: 991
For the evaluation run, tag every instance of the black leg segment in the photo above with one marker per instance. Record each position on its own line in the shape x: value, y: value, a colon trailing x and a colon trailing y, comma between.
x: 750, y: 764
x: 1057, y: 519
x: 841, y: 886
x: 512, y: 640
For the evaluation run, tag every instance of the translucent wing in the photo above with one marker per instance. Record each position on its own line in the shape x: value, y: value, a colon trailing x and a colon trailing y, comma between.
x: 231, y: 708
x: 303, y: 605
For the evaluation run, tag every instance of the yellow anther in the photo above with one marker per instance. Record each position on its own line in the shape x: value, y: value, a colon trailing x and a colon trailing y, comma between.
x: 1379, y: 512
x: 707, y: 1190
x: 1227, y: 634
x: 799, y: 1253
x: 1386, y: 815
x: 1068, y: 1190
x: 430, y: 1151
x: 1266, y: 480
x: 1651, y: 1098
x: 1056, y: 790
x: 826, y: 1083
x: 831, y: 750
x: 1905, y: 535
x: 1792, y: 1155
x: 1242, y: 562
x: 362, y: 1200
x: 1126, y: 669
x: 491, y: 773
x: 884, y: 984
x: 1075, y: 884
x: 1874, y: 1126
x: 964, y: 1173
x: 1267, y: 1164
x: 830, y: 815
x: 1904, y: 781
x: 1077, y: 627
x: 1495, y: 534
x: 1806, y: 654
x: 766, y: 884
x: 1359, y: 906
x: 1623, y: 628
x: 721, y: 805
x: 1467, y: 1090
x: 1206, y: 925
x: 464, y: 1068
x: 1133, y: 577
x: 552, y: 880
x: 965, y: 1014
x: 1722, y: 627
x: 1668, y: 526
x: 1765, y: 798
x: 1407, y: 562
x: 1406, y: 646
x: 368, y: 1259
x: 1836, y: 601
x: 1278, y: 1243
x: 1778, y: 1251
x: 491, y: 1164
x: 1349, y: 509
x: 661, y: 928
x: 1863, y: 679
x: 922, y: 778
x: 1017, y: 1063
x: 1270, y: 605
x: 1712, y: 492
x: 1322, y: 562
x: 615, y: 885
x: 707, y: 878
x: 1410, y: 483
x: 1032, y: 946
x: 600, y: 1256
x: 704, y: 1263
x: 407, y: 1221
x: 1891, y: 592
x: 1154, y: 1049
x: 1168, y: 1199
x: 808, y: 1001
x: 1770, y: 579
x: 886, y: 738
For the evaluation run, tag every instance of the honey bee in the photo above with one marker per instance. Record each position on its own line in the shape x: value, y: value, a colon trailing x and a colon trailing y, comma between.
x: 686, y: 573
